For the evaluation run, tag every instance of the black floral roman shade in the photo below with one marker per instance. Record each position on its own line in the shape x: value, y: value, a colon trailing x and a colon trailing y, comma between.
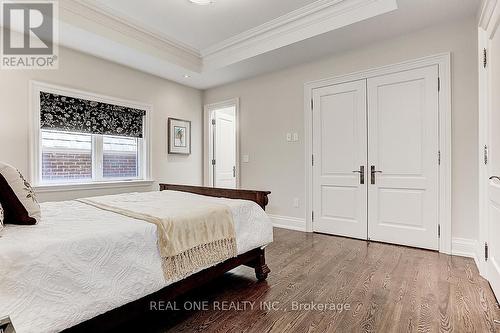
x: 72, y: 114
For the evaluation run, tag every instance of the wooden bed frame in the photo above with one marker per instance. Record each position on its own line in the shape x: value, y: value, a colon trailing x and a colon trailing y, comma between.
x: 254, y: 259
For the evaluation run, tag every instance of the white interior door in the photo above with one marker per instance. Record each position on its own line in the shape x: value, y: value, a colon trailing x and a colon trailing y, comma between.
x: 225, y: 148
x: 493, y: 261
x: 339, y: 148
x: 403, y: 145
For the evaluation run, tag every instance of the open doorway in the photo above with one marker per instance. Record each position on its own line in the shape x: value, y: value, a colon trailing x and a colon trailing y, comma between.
x: 222, y: 145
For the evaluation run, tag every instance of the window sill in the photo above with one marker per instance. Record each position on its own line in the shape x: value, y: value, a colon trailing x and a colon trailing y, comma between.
x: 92, y: 186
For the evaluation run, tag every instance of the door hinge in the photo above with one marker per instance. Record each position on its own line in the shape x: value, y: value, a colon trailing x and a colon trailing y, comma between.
x: 439, y: 230
x: 439, y: 84
x: 213, y: 162
x: 485, y: 154
x: 486, y: 252
x: 439, y: 157
x: 312, y: 215
x: 485, y: 58
x: 312, y: 104
x: 213, y: 122
x: 312, y: 159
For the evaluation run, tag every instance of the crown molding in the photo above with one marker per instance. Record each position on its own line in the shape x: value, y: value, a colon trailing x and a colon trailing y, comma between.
x: 317, y: 18
x: 94, y: 17
x: 130, y: 22
x: 486, y: 12
x: 303, y: 13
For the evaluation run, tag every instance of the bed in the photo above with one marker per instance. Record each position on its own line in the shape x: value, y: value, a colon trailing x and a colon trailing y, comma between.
x: 82, y: 268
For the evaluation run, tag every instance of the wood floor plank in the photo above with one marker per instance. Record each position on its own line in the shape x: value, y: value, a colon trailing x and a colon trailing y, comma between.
x: 388, y: 288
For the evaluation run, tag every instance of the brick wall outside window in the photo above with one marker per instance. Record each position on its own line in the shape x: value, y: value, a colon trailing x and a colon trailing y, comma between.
x: 78, y: 165
x: 119, y: 165
x: 66, y: 165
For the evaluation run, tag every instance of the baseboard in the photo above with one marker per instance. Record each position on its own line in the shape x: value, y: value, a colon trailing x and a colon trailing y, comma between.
x: 288, y: 222
x: 465, y: 248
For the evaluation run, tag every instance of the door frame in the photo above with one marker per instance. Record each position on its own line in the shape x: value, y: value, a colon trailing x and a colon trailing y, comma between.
x: 208, y: 138
x: 443, y: 61
x: 489, y: 22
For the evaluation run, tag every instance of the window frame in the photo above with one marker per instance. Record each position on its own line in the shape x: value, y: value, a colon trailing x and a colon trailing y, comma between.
x: 35, y: 151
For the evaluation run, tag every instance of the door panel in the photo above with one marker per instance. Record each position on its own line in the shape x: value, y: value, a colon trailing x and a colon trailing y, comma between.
x: 494, y: 230
x: 339, y: 148
x: 493, y: 263
x: 225, y: 149
x: 403, y: 144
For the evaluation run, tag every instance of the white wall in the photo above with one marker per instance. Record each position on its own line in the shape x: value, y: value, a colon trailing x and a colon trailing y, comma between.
x: 272, y: 105
x: 88, y: 73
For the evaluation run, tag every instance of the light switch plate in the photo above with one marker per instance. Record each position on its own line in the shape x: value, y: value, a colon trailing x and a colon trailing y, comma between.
x: 295, y: 137
x: 245, y: 158
x: 288, y: 137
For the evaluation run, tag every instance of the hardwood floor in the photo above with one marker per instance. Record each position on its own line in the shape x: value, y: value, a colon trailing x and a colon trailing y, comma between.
x: 380, y: 287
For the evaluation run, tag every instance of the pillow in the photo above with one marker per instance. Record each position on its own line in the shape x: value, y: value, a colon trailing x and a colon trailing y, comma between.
x: 17, y: 197
x: 1, y: 218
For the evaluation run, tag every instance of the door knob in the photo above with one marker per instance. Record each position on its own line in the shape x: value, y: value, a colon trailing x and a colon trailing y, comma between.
x: 373, y: 172
x: 361, y: 172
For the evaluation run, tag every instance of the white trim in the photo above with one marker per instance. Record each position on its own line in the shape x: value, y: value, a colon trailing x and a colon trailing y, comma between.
x: 314, y: 19
x: 93, y: 186
x: 486, y: 12
x: 97, y: 158
x: 494, y: 21
x: 130, y: 22
x: 35, y: 133
x: 443, y: 61
x: 464, y: 247
x: 483, y: 140
x: 207, y: 138
x: 288, y: 222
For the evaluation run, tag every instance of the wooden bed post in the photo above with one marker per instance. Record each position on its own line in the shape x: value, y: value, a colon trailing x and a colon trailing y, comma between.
x: 260, y: 266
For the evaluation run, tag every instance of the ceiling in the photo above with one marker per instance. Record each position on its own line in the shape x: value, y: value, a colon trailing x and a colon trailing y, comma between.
x: 202, y: 26
x: 206, y: 46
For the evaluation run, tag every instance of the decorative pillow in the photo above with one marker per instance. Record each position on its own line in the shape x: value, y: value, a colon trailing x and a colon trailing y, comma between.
x: 1, y: 218
x: 19, y: 202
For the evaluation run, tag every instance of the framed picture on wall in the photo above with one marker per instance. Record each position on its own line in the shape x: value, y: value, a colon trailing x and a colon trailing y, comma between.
x: 179, y: 136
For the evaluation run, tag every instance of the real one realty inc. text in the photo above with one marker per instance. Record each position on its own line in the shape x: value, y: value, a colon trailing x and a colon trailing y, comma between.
x: 246, y: 306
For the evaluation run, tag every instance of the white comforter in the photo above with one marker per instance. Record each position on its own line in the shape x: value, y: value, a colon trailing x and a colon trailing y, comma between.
x: 81, y: 261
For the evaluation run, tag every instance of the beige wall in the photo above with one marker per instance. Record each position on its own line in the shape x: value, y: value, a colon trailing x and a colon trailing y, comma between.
x: 272, y: 105
x: 84, y: 72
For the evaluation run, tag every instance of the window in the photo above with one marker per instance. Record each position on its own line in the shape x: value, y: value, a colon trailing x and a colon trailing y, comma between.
x: 72, y: 157
x: 83, y: 141
x: 66, y: 157
x: 120, y: 157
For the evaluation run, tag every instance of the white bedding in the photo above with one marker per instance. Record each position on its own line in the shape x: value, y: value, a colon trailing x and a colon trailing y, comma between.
x: 80, y: 261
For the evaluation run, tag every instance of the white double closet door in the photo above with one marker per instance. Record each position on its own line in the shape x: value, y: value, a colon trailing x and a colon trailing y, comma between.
x: 375, y: 146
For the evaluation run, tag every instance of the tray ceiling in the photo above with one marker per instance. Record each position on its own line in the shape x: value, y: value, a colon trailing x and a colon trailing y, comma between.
x: 205, y: 46
x: 201, y: 26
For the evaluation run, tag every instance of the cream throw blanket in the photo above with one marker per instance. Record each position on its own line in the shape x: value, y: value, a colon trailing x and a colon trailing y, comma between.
x: 192, y: 233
